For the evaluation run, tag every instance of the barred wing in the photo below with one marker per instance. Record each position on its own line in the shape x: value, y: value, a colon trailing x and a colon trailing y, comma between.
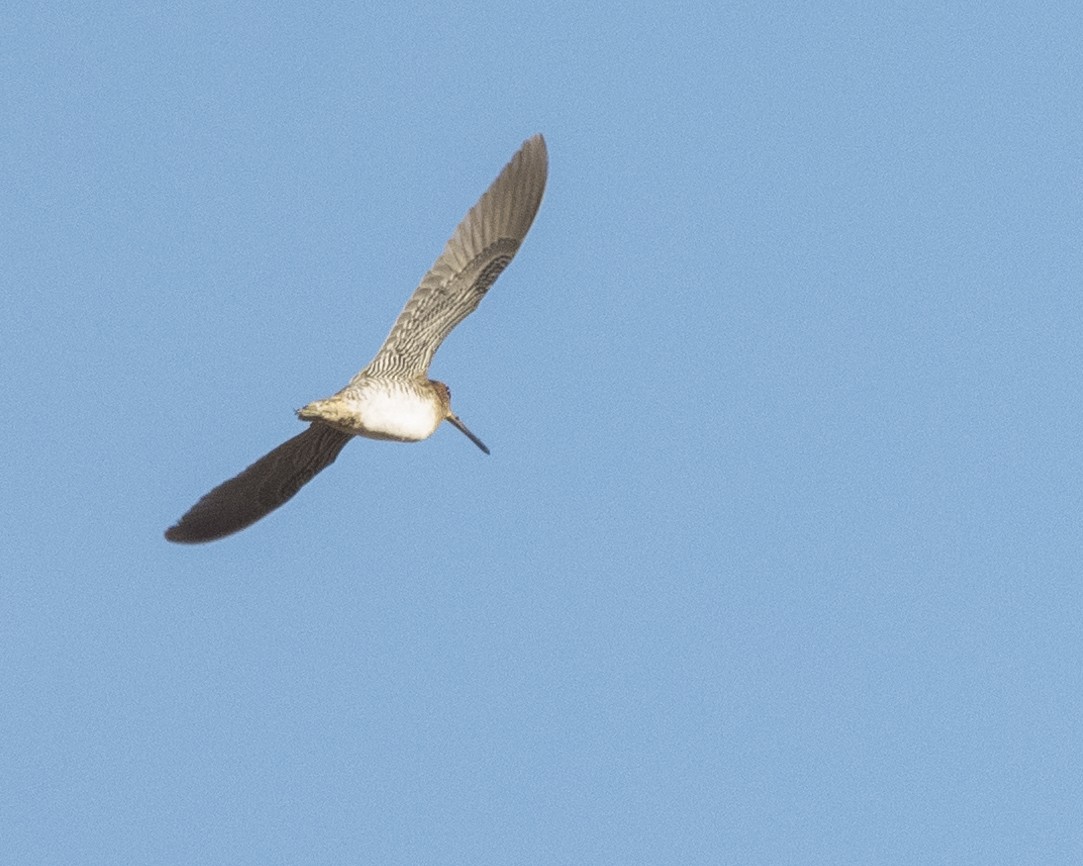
x: 483, y: 244
x: 261, y: 488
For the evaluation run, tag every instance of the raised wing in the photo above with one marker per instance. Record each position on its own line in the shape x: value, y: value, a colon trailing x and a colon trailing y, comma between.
x: 261, y: 488
x: 483, y: 244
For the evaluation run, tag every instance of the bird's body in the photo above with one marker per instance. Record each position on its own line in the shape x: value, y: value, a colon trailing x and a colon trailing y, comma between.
x: 392, y: 398
x: 402, y: 410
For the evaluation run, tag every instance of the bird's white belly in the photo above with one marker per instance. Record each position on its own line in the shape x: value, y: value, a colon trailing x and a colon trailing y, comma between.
x: 391, y: 413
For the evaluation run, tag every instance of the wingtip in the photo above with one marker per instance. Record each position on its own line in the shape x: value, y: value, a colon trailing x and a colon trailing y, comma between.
x: 178, y: 534
x: 173, y: 536
x: 536, y: 142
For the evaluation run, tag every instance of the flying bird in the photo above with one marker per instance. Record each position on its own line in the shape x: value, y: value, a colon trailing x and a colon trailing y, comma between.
x: 392, y: 398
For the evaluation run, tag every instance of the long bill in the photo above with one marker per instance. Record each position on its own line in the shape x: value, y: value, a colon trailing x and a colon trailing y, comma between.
x: 454, y: 419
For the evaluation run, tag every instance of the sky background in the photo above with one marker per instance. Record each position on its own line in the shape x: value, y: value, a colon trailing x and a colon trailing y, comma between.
x: 777, y: 556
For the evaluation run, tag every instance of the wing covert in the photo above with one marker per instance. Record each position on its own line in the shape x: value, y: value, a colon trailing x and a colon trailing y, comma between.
x: 261, y: 488
x: 479, y: 250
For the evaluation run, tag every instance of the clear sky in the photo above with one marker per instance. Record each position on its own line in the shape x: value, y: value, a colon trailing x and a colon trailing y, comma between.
x: 777, y: 557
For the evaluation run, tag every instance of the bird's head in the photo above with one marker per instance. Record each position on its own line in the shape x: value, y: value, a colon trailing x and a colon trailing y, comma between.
x: 443, y: 392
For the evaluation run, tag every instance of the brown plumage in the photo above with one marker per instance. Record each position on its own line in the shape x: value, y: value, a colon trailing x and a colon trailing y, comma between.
x: 392, y: 397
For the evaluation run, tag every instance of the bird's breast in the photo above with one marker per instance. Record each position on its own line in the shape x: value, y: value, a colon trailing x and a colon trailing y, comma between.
x: 395, y: 411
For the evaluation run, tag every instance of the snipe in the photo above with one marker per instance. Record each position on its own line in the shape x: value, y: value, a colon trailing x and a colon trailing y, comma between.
x: 392, y: 398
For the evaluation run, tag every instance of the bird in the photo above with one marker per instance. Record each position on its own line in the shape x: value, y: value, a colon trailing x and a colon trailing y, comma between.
x: 392, y: 397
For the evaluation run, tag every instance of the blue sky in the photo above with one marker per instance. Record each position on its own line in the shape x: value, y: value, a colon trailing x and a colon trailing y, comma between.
x: 777, y: 555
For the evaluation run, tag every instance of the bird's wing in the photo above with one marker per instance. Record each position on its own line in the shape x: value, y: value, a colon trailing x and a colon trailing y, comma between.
x: 483, y: 244
x: 261, y: 488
